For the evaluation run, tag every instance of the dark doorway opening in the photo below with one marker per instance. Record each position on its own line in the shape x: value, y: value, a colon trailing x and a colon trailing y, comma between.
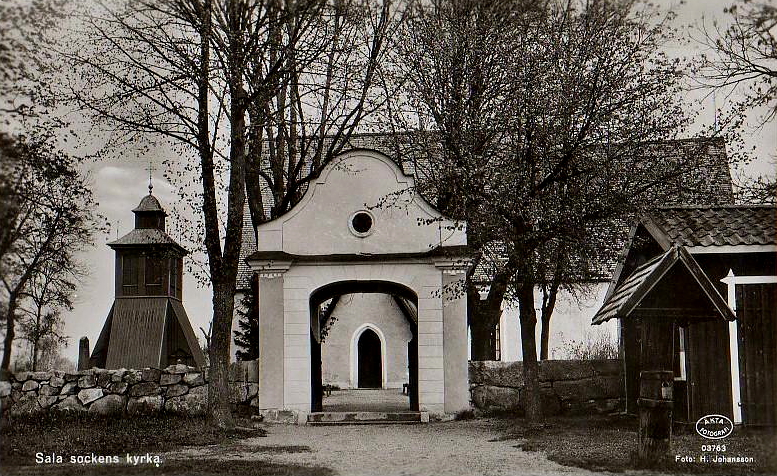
x: 370, y: 366
x: 408, y: 303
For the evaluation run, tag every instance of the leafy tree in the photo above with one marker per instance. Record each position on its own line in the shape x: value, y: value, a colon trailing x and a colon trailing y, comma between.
x: 247, y: 335
x: 533, y: 121
x: 47, y: 219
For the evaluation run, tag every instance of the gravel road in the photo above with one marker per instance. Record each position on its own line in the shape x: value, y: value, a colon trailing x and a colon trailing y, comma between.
x: 463, y: 448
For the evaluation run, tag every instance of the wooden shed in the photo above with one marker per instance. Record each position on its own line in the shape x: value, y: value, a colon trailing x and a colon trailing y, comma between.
x: 680, y: 264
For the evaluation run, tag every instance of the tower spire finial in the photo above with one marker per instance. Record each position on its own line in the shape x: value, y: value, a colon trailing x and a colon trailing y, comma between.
x: 150, y: 169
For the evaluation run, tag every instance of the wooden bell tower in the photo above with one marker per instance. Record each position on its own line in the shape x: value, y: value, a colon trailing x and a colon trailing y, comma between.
x: 147, y: 325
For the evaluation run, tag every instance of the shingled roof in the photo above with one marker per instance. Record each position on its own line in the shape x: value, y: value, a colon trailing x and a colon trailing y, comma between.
x: 145, y: 236
x: 709, y: 183
x: 712, y: 226
x: 635, y: 289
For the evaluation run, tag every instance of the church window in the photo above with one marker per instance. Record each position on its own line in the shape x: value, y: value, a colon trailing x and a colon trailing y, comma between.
x: 361, y: 223
x: 129, y: 274
x: 154, y: 271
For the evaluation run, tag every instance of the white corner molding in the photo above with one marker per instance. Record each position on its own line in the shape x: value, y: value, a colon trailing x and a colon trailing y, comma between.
x: 270, y: 268
x: 453, y: 266
x: 733, y: 346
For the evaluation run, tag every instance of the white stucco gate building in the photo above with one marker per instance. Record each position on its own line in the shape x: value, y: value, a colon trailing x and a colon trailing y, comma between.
x: 361, y: 227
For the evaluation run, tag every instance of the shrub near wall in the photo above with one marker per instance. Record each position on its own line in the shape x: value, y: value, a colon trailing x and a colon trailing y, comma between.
x: 178, y: 389
x: 567, y: 387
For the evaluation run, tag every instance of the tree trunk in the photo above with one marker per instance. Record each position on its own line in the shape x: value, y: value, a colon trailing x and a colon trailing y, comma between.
x: 9, y: 332
x: 548, y: 304
x: 531, y: 402
x: 219, y: 410
x: 482, y: 336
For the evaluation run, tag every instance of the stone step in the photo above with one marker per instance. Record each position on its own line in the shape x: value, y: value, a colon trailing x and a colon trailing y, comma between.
x: 366, y: 418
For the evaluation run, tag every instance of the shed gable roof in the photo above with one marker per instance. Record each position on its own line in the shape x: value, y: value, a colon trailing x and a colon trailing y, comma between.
x: 633, y: 290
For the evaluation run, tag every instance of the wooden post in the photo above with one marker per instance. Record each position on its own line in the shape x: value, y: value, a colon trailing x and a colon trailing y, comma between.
x: 655, y: 414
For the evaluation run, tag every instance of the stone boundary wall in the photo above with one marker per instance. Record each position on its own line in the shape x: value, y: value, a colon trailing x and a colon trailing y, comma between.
x: 178, y: 389
x: 568, y: 387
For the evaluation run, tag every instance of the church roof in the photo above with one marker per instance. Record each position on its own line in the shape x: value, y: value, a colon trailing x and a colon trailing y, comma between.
x: 149, y: 203
x: 723, y: 225
x: 145, y: 236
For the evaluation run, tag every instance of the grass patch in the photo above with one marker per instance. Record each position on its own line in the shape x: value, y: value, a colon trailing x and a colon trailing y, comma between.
x: 610, y: 444
x: 84, y: 435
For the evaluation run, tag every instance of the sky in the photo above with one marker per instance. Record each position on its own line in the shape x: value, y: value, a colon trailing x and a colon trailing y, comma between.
x: 120, y: 183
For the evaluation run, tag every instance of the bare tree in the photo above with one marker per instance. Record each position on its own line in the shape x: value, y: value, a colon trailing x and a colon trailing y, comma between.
x: 49, y: 292
x: 48, y: 217
x: 331, y: 91
x: 538, y: 117
x: 744, y: 57
x: 181, y: 71
x: 744, y: 63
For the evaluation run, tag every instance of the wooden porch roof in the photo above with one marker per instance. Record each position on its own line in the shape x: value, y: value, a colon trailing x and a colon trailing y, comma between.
x: 628, y: 297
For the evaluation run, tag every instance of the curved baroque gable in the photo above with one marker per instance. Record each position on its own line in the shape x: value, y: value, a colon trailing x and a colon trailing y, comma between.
x: 362, y: 203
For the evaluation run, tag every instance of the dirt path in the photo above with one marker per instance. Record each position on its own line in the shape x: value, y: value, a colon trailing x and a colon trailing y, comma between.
x: 450, y: 448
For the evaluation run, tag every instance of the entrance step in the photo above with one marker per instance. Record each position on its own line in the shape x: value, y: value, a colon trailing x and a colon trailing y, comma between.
x: 366, y: 418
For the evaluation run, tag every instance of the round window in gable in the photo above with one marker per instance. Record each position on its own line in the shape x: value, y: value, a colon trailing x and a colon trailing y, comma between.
x: 361, y: 223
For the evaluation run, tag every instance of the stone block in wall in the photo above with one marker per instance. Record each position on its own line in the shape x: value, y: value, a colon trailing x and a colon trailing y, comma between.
x: 145, y: 389
x: 596, y: 388
x: 69, y: 377
x: 607, y: 367
x: 145, y: 405
x: 5, y: 388
x: 554, y: 370
x: 118, y: 387
x: 169, y: 379
x: 193, y: 379
x: 610, y: 386
x: 22, y: 376
x: 151, y: 375
x: 87, y: 381
x: 133, y: 376
x: 27, y: 405
x: 103, y: 378
x: 70, y: 404
x: 193, y: 403
x: 491, y: 398
x: 108, y: 405
x: 45, y: 401
x: 30, y: 385
x: 501, y: 374
x: 605, y: 406
x: 88, y: 395
x: 41, y: 376
x: 56, y: 381
x: 117, y: 375
x: 70, y: 388
x: 179, y: 369
x: 176, y: 390
x: 48, y: 390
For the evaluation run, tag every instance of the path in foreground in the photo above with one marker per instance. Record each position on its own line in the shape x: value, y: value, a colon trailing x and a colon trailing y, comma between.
x: 450, y: 448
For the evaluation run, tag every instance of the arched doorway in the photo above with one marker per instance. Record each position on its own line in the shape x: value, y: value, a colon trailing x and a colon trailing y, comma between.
x: 368, y: 345
x: 369, y: 358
